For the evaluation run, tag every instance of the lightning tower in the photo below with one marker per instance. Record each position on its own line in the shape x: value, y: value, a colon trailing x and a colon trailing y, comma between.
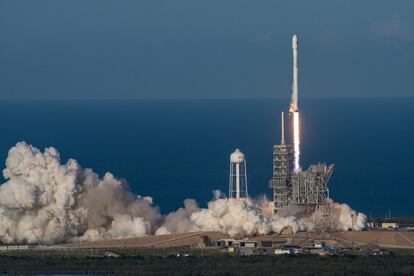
x: 282, y: 166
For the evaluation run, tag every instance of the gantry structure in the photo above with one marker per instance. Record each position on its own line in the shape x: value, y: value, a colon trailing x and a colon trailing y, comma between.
x: 308, y: 188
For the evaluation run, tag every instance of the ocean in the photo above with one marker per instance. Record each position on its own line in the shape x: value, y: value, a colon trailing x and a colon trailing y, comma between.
x: 177, y: 149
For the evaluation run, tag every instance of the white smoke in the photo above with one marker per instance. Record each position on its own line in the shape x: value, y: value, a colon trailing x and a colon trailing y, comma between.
x: 344, y: 218
x: 44, y: 201
x: 247, y: 217
x: 235, y: 217
x: 48, y: 202
x: 180, y: 220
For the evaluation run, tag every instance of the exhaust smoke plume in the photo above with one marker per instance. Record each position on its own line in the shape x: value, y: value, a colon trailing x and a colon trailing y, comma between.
x: 45, y: 201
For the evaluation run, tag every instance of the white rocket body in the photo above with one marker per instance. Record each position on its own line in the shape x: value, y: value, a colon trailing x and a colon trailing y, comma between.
x: 294, y: 102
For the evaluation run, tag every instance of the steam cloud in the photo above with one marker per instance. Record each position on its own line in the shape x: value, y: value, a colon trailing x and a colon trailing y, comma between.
x: 45, y: 201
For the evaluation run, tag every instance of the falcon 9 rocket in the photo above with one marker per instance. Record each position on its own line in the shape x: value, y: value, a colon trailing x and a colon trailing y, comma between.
x: 294, y: 102
x: 293, y: 109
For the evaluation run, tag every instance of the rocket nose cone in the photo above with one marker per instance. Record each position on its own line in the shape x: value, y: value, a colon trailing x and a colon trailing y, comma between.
x: 295, y: 41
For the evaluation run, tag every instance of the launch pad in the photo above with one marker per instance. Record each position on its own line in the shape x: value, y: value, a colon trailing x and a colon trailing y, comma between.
x: 306, y: 188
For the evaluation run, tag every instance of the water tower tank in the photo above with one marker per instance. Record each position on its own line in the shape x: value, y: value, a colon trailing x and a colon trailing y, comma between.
x: 238, y: 175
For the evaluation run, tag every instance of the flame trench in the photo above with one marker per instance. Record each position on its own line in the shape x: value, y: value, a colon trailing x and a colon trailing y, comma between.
x: 296, y: 142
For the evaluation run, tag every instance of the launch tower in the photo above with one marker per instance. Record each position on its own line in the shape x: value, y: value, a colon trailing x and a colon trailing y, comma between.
x: 306, y: 188
x: 282, y: 165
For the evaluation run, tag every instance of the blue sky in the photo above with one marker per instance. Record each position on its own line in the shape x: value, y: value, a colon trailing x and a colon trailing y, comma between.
x: 99, y: 49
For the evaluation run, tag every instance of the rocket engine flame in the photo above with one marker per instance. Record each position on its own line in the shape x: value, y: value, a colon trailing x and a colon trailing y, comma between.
x: 296, y: 143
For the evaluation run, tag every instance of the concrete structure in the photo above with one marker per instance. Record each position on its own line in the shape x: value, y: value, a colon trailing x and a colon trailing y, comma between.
x: 389, y: 225
x: 226, y: 242
x: 14, y: 247
x: 281, y: 251
x: 192, y: 239
x: 296, y: 243
x: 238, y: 175
x: 384, y: 239
x: 249, y: 244
x: 346, y: 239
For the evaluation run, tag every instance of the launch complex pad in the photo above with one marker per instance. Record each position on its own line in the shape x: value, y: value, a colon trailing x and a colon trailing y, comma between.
x: 308, y: 188
x: 292, y: 186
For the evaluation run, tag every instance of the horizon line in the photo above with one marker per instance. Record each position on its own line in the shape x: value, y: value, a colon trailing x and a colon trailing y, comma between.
x: 200, y: 99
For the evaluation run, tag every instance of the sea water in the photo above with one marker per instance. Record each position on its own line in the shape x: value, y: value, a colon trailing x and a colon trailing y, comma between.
x: 177, y: 149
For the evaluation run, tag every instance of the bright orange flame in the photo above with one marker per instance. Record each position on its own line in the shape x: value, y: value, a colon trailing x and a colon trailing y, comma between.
x: 296, y: 142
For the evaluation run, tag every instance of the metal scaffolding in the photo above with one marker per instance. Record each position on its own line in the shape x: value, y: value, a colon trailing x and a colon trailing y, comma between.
x: 282, y: 165
x: 306, y: 188
x: 310, y: 187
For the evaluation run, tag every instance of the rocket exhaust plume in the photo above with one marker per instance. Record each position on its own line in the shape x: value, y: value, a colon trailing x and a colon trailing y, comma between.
x: 296, y: 142
x: 293, y: 109
x: 47, y: 201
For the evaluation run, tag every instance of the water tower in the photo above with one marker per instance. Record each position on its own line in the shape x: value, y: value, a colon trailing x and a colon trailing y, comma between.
x: 238, y: 175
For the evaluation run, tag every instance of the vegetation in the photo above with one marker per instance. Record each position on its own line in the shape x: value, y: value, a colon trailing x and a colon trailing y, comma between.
x: 207, y: 265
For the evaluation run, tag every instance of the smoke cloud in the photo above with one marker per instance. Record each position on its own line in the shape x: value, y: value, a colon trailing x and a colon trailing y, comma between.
x: 45, y: 201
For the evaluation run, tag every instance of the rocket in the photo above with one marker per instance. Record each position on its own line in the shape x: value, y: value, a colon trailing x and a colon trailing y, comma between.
x: 294, y: 102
